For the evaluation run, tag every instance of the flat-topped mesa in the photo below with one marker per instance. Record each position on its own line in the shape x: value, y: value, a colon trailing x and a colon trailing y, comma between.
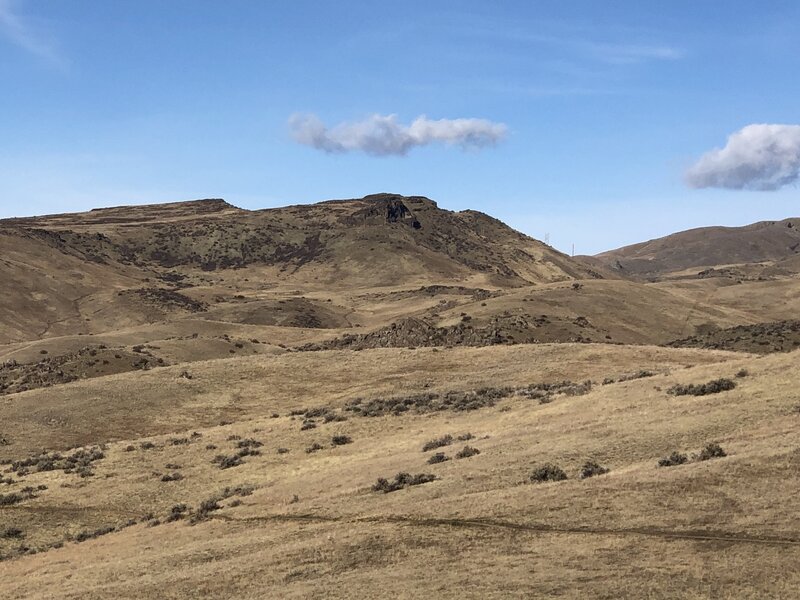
x: 142, y: 213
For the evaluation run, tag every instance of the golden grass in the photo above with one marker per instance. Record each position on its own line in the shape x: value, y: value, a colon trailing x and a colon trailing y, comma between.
x: 724, y: 528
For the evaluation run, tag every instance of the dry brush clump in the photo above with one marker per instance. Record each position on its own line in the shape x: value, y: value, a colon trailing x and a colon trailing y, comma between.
x: 712, y: 450
x: 440, y: 442
x: 80, y: 462
x: 437, y: 457
x: 401, y: 481
x: 709, y: 452
x: 315, y: 447
x: 548, y: 472
x: 712, y: 387
x: 629, y: 376
x: 673, y: 460
x: 467, y: 451
x: 592, y: 469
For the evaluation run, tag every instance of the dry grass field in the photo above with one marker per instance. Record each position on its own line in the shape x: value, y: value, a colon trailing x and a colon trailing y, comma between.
x: 493, y: 419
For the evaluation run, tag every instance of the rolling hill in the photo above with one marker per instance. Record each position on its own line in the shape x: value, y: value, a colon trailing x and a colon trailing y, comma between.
x: 764, y: 248
x: 372, y: 397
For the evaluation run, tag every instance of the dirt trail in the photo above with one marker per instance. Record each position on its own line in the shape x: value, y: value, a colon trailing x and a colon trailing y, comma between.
x: 699, y: 535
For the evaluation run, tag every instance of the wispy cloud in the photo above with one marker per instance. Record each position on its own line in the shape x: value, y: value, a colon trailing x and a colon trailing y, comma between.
x: 615, y: 46
x: 757, y: 157
x: 16, y: 29
x: 383, y: 135
x: 623, y: 54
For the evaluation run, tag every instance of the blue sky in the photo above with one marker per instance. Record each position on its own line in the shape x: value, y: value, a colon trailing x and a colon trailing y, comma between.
x: 599, y: 108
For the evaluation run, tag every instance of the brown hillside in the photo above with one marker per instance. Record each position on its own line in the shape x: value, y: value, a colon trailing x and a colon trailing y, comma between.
x: 765, y: 243
x: 121, y: 267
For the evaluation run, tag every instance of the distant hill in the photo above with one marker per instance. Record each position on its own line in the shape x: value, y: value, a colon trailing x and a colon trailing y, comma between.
x: 88, y: 272
x: 770, y: 245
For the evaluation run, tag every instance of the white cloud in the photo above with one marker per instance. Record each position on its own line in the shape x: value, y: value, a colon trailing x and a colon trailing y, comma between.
x: 383, y: 135
x: 757, y: 157
x: 15, y: 29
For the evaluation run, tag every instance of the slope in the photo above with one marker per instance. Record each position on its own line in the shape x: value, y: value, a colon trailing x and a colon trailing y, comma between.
x: 696, y: 249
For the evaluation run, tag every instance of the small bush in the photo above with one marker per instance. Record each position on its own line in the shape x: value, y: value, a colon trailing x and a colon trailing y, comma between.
x: 249, y: 443
x: 239, y: 490
x: 712, y: 387
x: 401, y: 480
x: 226, y: 462
x: 712, y: 450
x: 548, y: 472
x: 176, y: 513
x: 206, y: 507
x: 12, y: 498
x: 88, y: 535
x: 673, y: 460
x: 283, y: 451
x: 591, y: 469
x: 438, y: 457
x: 341, y: 440
x: 742, y: 373
x: 12, y: 533
x: 147, y: 445
x: 308, y: 425
x: 247, y: 451
x: 438, y: 443
x: 172, y: 477
x: 467, y: 451
x: 314, y: 447
x: 465, y: 437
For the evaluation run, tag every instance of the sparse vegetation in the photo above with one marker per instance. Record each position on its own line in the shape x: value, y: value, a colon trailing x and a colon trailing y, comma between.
x: 227, y: 462
x: 467, y: 451
x: 435, y: 443
x: 548, y: 472
x: 712, y: 450
x: 592, y: 469
x: 95, y: 533
x: 401, y: 480
x: 629, y: 377
x: 11, y: 533
x: 314, y: 448
x: 712, y: 387
x: 341, y: 440
x: 438, y: 457
x: 673, y: 460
